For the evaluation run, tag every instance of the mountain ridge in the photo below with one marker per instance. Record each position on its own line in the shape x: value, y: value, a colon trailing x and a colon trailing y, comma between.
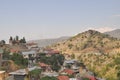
x: 114, y: 33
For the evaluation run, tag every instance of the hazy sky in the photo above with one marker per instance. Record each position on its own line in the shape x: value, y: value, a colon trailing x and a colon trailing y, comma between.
x: 39, y: 19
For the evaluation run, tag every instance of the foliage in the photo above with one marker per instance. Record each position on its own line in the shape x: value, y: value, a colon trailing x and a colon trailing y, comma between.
x: 85, y: 79
x: 6, y: 55
x: 35, y: 74
x: 55, y: 60
x: 2, y: 42
x: 117, y: 60
x: 19, y: 60
x: 73, y: 56
x: 49, y: 78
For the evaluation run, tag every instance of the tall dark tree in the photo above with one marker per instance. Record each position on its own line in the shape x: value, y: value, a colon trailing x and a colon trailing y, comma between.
x: 11, y: 38
x: 24, y: 40
x: 2, y: 42
x: 17, y: 38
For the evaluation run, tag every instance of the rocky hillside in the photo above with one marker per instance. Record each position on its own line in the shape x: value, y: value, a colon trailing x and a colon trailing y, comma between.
x: 98, y: 51
x: 114, y: 33
x: 88, y: 41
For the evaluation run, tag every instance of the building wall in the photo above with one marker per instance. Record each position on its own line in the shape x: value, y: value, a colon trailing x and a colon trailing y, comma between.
x: 2, y: 76
x: 0, y: 59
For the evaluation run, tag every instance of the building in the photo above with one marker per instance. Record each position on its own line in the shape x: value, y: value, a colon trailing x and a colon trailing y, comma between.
x: 32, y: 46
x: 31, y: 56
x: 51, y: 51
x: 2, y: 75
x: 63, y: 78
x: 1, y: 52
x: 67, y: 72
x: 28, y: 54
x: 45, y: 67
x: 22, y: 73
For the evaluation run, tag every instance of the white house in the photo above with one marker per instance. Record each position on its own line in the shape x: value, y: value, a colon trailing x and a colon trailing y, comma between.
x: 27, y: 54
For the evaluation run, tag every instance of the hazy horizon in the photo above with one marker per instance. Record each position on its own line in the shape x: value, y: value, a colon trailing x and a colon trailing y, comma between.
x: 40, y: 19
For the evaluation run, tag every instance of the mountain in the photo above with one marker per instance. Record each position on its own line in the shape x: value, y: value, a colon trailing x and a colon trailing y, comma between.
x: 47, y: 42
x: 98, y: 51
x: 114, y: 33
x: 88, y: 41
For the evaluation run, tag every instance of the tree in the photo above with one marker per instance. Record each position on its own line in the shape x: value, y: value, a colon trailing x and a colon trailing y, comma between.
x: 17, y: 38
x: 11, y: 38
x: 19, y: 60
x: 2, y: 42
x: 118, y: 75
x: 73, y: 56
x: 55, y: 60
x: 35, y: 74
x: 49, y: 78
x: 24, y: 40
x: 6, y: 55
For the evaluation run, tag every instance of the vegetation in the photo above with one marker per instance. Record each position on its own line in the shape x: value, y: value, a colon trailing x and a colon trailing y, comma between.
x: 35, y: 74
x: 16, y: 40
x: 17, y: 58
x: 49, y: 78
x: 99, y: 52
x: 55, y: 60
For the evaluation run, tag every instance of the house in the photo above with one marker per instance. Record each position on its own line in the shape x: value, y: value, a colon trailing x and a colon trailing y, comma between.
x: 67, y: 72
x: 50, y: 74
x: 50, y: 51
x: 2, y: 75
x: 32, y: 45
x: 68, y: 62
x: 14, y: 51
x: 22, y: 73
x: 91, y: 77
x: 63, y: 78
x: 1, y: 52
x: 19, y: 74
x: 28, y: 54
x: 45, y: 67
x: 31, y: 56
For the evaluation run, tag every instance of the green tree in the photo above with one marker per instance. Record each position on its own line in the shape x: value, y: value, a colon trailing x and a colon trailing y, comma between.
x: 11, y: 38
x: 24, y: 40
x: 19, y: 60
x: 118, y: 75
x: 73, y: 56
x: 49, y: 78
x: 35, y: 74
x: 17, y: 38
x: 2, y: 42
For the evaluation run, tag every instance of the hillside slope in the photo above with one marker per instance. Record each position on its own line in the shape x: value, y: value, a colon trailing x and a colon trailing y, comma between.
x: 88, y: 41
x: 99, y: 52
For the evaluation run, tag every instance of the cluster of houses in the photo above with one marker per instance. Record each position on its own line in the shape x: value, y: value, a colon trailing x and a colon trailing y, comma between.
x: 70, y: 70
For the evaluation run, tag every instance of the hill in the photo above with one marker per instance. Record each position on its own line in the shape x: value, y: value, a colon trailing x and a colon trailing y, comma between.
x: 88, y: 41
x: 47, y: 42
x: 98, y: 51
x: 114, y: 33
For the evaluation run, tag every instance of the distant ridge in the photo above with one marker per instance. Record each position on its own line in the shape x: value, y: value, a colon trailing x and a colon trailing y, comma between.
x: 114, y: 33
x: 47, y: 42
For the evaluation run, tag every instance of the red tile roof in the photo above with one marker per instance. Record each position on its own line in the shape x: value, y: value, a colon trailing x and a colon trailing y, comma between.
x: 14, y: 50
x: 32, y: 43
x: 43, y: 65
x: 63, y: 78
x: 91, y: 77
x: 68, y: 71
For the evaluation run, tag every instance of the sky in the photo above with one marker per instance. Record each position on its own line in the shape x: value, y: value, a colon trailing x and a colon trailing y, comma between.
x: 41, y: 19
